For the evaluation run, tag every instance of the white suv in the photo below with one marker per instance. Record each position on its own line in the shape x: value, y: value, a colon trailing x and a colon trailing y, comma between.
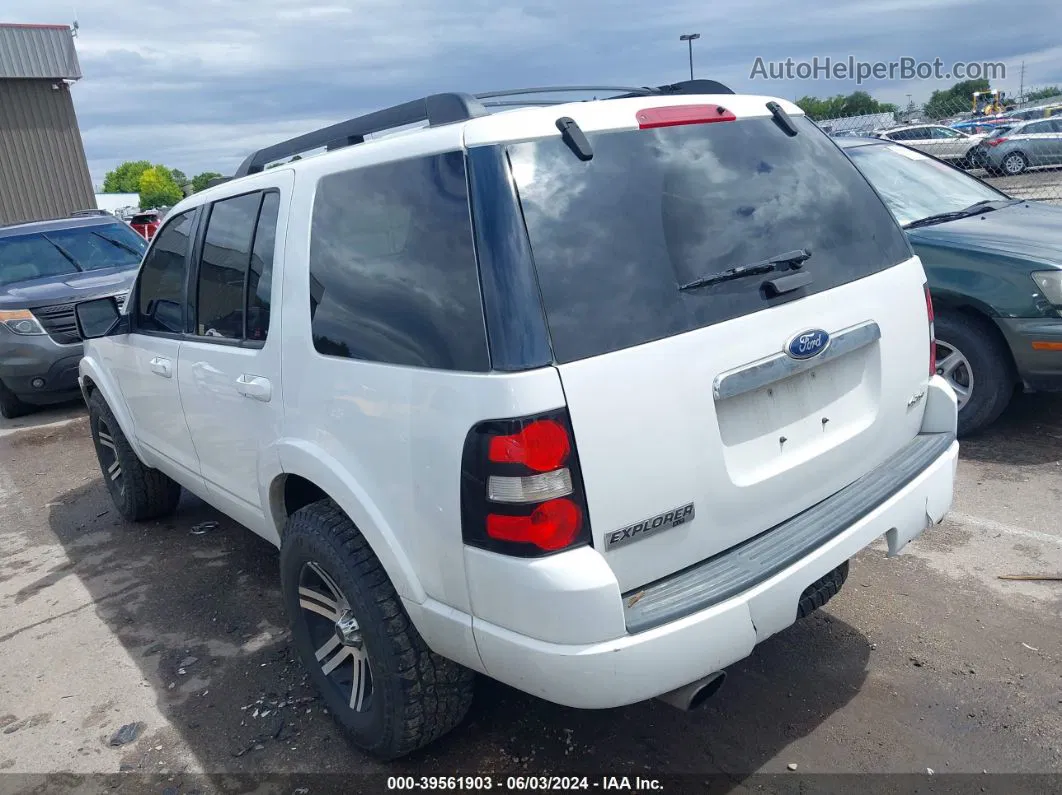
x: 590, y: 398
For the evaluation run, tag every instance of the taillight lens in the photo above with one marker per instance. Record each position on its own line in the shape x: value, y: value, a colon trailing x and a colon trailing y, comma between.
x: 932, y: 333
x: 542, y: 446
x: 995, y: 141
x: 521, y: 487
x: 675, y: 115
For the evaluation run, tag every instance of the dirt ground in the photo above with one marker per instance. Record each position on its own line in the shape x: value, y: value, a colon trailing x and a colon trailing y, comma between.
x: 924, y: 662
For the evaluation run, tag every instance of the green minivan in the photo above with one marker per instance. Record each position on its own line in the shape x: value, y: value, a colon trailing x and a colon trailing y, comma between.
x: 995, y: 275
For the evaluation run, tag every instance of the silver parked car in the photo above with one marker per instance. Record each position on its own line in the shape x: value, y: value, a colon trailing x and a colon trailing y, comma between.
x: 1030, y: 143
x: 944, y: 143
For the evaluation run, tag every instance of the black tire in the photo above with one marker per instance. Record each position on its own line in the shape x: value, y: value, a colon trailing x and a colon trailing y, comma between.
x: 10, y: 406
x: 990, y: 368
x: 139, y: 492
x: 821, y: 591
x: 409, y: 696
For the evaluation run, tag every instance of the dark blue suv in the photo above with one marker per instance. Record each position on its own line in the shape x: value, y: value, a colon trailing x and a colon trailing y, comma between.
x: 45, y: 268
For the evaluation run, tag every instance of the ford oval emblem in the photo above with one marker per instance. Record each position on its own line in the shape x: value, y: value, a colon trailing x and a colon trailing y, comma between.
x: 808, y: 343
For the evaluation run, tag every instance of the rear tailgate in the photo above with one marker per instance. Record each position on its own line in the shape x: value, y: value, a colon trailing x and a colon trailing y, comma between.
x: 700, y: 419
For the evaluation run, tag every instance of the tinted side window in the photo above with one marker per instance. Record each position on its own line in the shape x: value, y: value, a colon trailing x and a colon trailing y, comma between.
x: 162, y: 278
x: 260, y: 277
x: 226, y: 252
x: 393, y: 274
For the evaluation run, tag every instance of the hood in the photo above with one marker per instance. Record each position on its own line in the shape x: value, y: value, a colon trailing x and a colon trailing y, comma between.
x: 1029, y: 229
x: 68, y: 287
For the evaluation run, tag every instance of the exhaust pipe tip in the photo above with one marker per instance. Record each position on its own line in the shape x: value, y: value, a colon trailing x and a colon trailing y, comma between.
x: 696, y: 694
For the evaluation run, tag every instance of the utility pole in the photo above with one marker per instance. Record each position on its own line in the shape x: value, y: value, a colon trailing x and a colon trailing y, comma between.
x: 1021, y: 87
x: 689, y: 38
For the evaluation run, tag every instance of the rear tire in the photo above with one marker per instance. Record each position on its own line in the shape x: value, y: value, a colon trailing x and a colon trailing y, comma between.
x: 977, y: 365
x: 1014, y: 164
x: 10, y: 406
x: 139, y: 492
x: 385, y: 688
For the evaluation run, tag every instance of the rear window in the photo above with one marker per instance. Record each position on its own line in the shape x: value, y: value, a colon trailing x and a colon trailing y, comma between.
x: 62, y: 252
x: 614, y: 238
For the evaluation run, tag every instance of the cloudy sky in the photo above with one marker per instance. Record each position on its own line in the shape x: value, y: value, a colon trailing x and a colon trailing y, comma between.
x: 196, y: 84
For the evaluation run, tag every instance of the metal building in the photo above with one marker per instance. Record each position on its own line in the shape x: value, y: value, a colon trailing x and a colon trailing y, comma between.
x: 43, y: 169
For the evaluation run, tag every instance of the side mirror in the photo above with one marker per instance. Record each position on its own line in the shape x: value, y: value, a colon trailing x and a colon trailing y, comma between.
x: 99, y: 317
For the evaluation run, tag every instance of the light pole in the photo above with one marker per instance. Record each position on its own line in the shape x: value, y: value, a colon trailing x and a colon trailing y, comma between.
x: 689, y: 38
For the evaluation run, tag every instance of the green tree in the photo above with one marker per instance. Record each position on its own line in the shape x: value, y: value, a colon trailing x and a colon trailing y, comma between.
x: 200, y: 181
x: 126, y: 177
x: 1043, y: 93
x: 179, y: 177
x: 157, y: 188
x: 858, y: 103
x: 958, y: 98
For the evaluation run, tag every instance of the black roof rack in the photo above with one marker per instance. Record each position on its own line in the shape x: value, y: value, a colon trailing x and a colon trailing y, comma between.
x: 441, y: 109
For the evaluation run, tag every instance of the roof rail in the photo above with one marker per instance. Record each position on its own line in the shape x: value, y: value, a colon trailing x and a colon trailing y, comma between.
x: 514, y: 92
x: 218, y: 181
x: 435, y: 109
x: 439, y: 109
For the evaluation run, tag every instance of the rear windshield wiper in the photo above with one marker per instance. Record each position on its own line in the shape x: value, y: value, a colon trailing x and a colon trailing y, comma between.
x: 791, y: 258
x: 986, y: 206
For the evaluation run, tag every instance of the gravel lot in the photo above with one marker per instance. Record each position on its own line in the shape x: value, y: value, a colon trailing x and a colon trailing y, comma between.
x: 1043, y: 183
x: 926, y: 661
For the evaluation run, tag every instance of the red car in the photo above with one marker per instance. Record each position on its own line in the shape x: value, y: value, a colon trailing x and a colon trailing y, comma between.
x: 146, y: 223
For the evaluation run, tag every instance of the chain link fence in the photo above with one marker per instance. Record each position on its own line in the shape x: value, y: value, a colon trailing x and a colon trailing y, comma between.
x: 1016, y: 148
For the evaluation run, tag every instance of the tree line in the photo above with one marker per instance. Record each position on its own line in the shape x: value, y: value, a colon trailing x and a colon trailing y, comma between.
x: 942, y: 103
x: 157, y: 185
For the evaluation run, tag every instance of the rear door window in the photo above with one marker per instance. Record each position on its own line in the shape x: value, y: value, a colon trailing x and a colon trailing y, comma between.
x: 223, y: 266
x: 615, y: 237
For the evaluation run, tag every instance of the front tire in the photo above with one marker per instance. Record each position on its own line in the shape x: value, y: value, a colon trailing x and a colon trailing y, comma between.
x: 10, y: 406
x: 977, y: 366
x: 388, y: 691
x: 139, y: 492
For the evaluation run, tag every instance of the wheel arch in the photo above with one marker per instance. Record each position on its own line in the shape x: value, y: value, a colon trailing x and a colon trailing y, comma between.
x: 309, y: 474
x: 982, y: 315
x: 91, y: 379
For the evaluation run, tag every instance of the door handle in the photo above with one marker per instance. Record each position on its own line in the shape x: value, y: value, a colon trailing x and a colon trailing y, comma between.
x: 254, y: 386
x: 162, y: 367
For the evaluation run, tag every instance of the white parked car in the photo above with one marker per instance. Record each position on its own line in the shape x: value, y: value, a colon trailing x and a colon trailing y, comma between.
x: 590, y: 398
x: 945, y: 143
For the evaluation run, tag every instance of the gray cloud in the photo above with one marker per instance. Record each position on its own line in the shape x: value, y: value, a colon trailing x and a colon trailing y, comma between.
x: 196, y: 84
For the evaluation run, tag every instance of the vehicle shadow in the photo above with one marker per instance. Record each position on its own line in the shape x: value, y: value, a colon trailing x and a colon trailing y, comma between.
x: 199, y: 612
x: 1028, y: 433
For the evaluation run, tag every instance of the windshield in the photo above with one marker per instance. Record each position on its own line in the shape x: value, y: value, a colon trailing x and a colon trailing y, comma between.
x: 915, y: 186
x: 614, y: 238
x: 61, y: 252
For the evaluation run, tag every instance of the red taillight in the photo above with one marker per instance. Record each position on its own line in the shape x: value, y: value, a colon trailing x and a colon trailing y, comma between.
x: 551, y: 526
x: 995, y: 141
x: 932, y: 333
x: 542, y: 446
x: 521, y: 486
x: 675, y: 115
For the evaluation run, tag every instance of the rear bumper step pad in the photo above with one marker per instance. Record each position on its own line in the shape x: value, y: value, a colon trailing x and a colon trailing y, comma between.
x: 746, y: 565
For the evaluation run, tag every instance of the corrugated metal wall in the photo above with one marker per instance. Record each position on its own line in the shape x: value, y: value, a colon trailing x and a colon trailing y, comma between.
x: 43, y: 170
x: 31, y: 51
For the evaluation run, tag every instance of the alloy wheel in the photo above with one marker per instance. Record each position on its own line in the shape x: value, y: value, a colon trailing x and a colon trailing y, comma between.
x: 108, y: 455
x: 337, y: 637
x: 1014, y: 164
x: 955, y: 368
